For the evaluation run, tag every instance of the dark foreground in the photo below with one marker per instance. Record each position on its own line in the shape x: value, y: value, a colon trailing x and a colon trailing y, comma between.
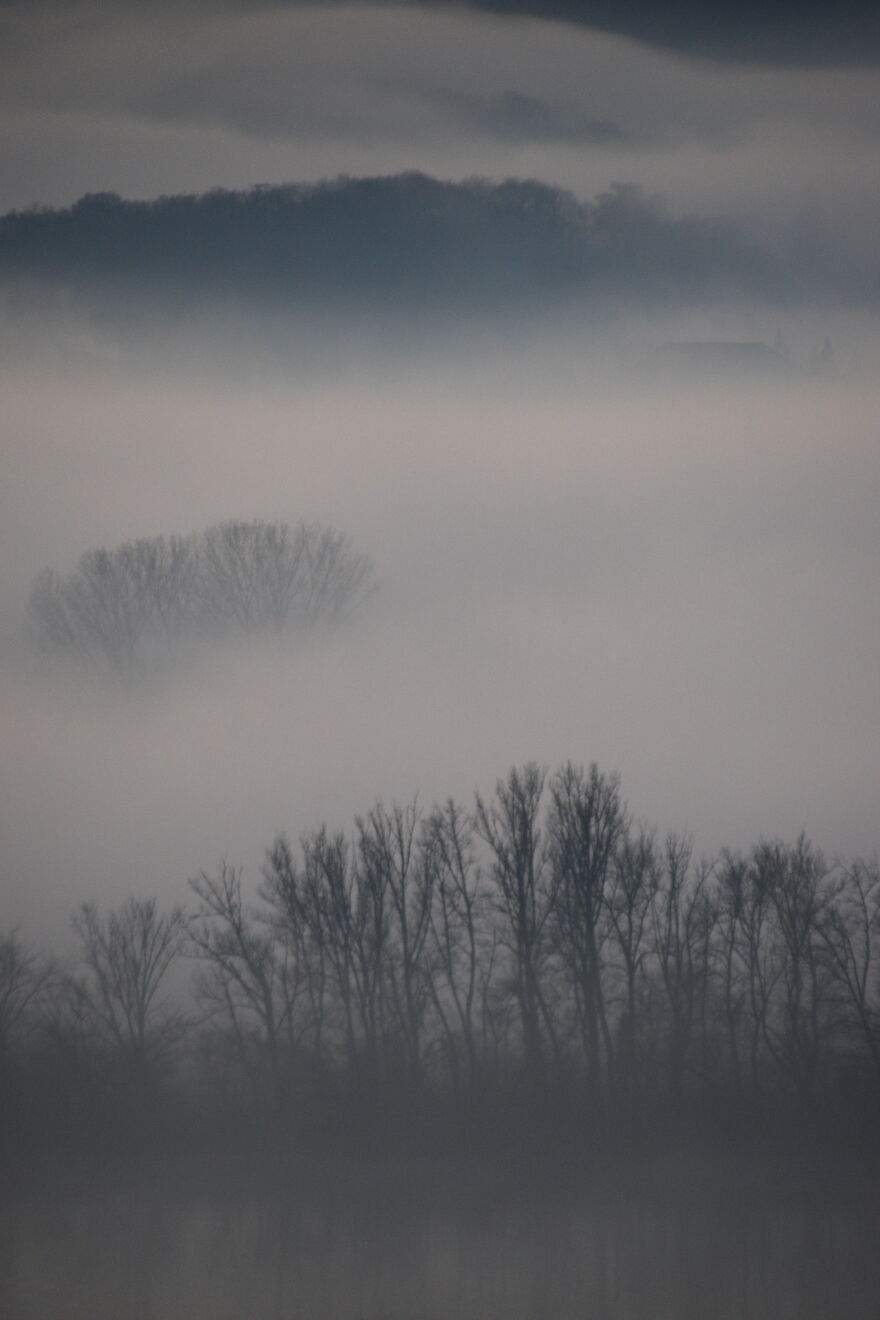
x: 681, y: 1235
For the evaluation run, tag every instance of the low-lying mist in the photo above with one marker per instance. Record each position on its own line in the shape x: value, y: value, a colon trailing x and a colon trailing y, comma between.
x: 671, y: 574
x: 439, y: 646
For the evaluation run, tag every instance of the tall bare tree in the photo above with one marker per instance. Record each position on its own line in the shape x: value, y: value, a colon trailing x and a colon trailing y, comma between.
x: 337, y: 920
x: 510, y: 824
x: 852, y: 938
x: 24, y: 975
x: 345, y: 908
x: 682, y: 920
x: 127, y: 954
x: 460, y: 946
x: 251, y: 981
x: 390, y: 864
x: 296, y: 898
x: 732, y: 880
x: 634, y: 880
x: 586, y: 822
x: 27, y: 980
x: 796, y: 881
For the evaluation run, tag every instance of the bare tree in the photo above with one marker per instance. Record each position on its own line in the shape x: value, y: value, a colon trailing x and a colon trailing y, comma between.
x: 165, y: 569
x: 371, y: 948
x: 127, y: 955
x: 339, y: 577
x: 124, y: 607
x: 26, y: 978
x: 510, y: 825
x: 460, y: 946
x: 732, y: 879
x: 249, y: 575
x: 751, y: 961
x: 252, y: 979
x: 682, y: 920
x: 345, y: 908
x: 119, y: 607
x: 390, y: 861
x: 295, y: 897
x: 763, y: 960
x: 337, y: 920
x: 95, y: 616
x: 586, y: 823
x: 260, y: 576
x: 795, y: 880
x: 852, y: 938
x: 634, y: 881
x: 52, y: 625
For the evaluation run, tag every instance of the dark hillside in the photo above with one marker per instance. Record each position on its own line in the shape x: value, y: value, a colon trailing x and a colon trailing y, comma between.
x: 393, y: 243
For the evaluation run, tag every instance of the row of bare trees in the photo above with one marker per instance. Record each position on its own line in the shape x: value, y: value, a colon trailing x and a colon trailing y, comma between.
x: 133, y: 605
x: 541, y: 938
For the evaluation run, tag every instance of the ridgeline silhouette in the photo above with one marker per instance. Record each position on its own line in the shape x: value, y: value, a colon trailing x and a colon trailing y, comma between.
x: 397, y: 244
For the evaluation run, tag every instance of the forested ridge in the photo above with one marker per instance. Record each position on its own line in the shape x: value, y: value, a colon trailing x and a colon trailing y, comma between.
x: 538, y: 951
x: 397, y: 241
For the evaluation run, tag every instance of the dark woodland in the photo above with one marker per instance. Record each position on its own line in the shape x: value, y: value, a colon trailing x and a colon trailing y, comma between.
x: 538, y: 966
x: 395, y: 245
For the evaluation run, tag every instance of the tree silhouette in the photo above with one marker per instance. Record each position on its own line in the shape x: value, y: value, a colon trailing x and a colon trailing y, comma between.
x: 124, y: 608
x: 510, y: 825
x: 127, y: 955
x: 586, y: 823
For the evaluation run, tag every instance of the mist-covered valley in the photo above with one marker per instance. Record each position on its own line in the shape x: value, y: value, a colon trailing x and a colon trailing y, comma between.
x: 438, y: 663
x: 582, y: 548
x: 670, y: 577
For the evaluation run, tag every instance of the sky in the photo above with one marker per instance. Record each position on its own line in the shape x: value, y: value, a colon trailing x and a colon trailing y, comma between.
x: 676, y: 579
x: 149, y: 100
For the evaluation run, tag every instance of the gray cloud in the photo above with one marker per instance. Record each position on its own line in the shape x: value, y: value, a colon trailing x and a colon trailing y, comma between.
x: 762, y: 31
x: 776, y: 32
x: 514, y: 116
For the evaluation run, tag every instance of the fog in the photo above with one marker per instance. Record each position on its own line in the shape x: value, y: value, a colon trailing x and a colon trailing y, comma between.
x: 576, y: 560
x: 572, y: 331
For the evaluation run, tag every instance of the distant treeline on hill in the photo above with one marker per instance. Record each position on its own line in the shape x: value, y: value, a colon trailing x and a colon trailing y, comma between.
x: 539, y: 945
x: 395, y: 242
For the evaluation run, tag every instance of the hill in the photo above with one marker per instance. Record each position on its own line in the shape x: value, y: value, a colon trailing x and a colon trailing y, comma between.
x: 382, y: 245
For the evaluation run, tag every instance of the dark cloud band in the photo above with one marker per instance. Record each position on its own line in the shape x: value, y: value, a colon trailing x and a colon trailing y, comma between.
x: 809, y: 33
x: 782, y: 31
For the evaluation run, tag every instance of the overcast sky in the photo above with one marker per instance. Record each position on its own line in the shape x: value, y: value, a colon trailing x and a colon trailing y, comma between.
x: 147, y: 100
x: 680, y: 585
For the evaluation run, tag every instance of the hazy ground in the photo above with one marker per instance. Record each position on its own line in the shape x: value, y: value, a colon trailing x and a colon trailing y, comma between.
x: 677, y: 1239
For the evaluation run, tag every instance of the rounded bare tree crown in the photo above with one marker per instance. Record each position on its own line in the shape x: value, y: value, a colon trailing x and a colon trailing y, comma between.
x: 138, y: 604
